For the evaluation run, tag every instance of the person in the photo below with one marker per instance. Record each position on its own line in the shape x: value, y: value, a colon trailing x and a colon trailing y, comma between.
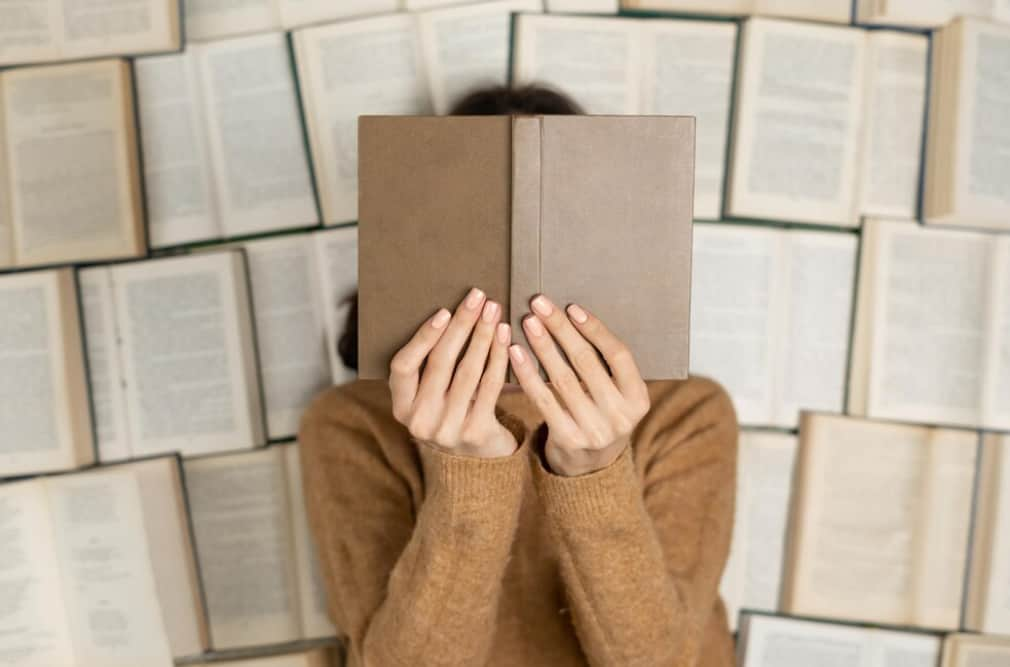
x: 464, y: 521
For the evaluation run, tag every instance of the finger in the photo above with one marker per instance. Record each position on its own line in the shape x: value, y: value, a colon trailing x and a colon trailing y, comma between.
x: 494, y: 375
x: 442, y: 360
x: 617, y: 355
x: 406, y: 363
x: 471, y: 367
x: 557, y: 418
x: 582, y: 355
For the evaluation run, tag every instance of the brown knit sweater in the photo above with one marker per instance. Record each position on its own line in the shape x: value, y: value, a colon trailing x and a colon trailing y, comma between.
x: 432, y: 558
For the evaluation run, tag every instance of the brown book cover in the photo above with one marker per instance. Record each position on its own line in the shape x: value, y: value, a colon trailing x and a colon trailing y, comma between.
x: 589, y: 209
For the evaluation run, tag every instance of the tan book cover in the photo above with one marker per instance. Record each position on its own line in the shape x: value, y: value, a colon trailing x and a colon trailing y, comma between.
x: 589, y: 209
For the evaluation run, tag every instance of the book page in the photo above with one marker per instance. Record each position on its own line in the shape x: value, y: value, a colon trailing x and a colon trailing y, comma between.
x: 688, y: 71
x: 105, y: 371
x: 582, y: 6
x: 183, y: 355
x: 34, y: 627
x: 295, y: 13
x: 337, y: 262
x: 996, y: 612
x: 798, y: 106
x: 311, y: 591
x: 930, y: 301
x: 836, y: 11
x: 6, y: 227
x: 467, y: 47
x: 903, y: 649
x: 769, y: 641
x: 996, y: 413
x: 29, y: 31
x: 214, y: 19
x: 71, y: 162
x: 814, y: 351
x: 897, y: 67
x: 594, y: 60
x: 119, y: 27
x: 256, y: 137
x: 241, y: 518
x: 734, y: 288
x: 289, y: 329
x: 856, y: 520
x: 36, y: 384
x: 983, y: 154
x: 177, y: 171
x: 341, y: 79
x: 976, y: 651
x: 104, y: 560
x: 692, y: 6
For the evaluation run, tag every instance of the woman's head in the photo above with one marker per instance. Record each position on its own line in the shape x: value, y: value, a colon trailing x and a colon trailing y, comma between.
x: 490, y: 101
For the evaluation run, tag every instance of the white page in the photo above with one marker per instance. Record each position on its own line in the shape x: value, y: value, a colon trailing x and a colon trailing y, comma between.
x: 784, y: 642
x: 929, y: 310
x: 295, y: 13
x: 734, y: 287
x: 311, y: 591
x: 30, y: 32
x: 123, y: 26
x: 34, y: 628
x: 35, y: 410
x: 289, y: 328
x: 183, y: 355
x: 177, y: 172
x: 688, y: 71
x: 798, y: 107
x: 594, y: 60
x: 337, y: 263
x: 214, y: 19
x: 110, y: 593
x: 896, y: 104
x: 835, y: 11
x: 814, y: 350
x: 341, y: 77
x: 6, y: 227
x: 693, y: 6
x: 927, y: 13
x: 241, y: 518
x: 256, y: 136
x: 996, y: 613
x: 997, y: 391
x: 896, y: 649
x: 105, y: 372
x: 69, y: 161
x: 582, y: 6
x: 467, y: 47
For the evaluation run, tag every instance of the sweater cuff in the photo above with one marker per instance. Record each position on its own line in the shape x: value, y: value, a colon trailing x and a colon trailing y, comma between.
x: 591, y: 498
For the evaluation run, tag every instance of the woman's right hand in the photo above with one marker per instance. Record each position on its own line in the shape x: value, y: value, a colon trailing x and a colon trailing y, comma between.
x: 453, y: 407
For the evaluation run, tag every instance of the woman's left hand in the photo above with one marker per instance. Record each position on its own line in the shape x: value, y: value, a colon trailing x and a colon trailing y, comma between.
x: 591, y: 430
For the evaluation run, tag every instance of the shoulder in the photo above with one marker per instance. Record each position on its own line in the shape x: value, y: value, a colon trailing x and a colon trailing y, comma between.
x: 354, y: 400
x: 698, y: 399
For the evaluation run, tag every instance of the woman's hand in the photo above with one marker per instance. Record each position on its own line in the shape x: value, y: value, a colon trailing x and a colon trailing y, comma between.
x: 454, y: 411
x: 590, y: 430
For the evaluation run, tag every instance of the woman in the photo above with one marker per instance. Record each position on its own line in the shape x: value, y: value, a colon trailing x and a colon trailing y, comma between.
x: 461, y: 520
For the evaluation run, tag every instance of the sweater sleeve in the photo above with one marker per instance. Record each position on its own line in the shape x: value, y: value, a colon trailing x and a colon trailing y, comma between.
x: 406, y: 589
x: 641, y: 558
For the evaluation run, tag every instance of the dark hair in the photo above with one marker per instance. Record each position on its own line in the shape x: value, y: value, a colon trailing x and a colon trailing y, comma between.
x: 490, y: 101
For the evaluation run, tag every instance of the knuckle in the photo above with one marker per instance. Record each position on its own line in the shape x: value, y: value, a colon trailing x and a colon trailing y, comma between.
x: 421, y: 426
x: 568, y: 383
x: 622, y: 424
x: 620, y: 352
x: 399, y: 365
x: 584, y: 357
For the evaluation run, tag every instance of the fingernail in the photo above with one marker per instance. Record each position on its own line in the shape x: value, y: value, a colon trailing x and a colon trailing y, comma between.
x: 533, y: 325
x: 440, y: 319
x: 542, y: 305
x: 503, y: 333
x: 577, y: 313
x: 490, y: 310
x: 473, y: 298
x: 517, y: 354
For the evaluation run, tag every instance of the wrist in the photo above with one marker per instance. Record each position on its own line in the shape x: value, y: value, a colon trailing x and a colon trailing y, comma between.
x: 573, y: 463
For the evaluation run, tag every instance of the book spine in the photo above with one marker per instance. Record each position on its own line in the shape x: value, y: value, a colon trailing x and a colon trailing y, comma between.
x: 525, y: 270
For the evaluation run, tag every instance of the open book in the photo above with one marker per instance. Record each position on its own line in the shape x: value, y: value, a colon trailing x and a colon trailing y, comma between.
x: 69, y: 170
x: 635, y: 66
x: 770, y: 318
x: 224, y: 148
x: 79, y: 574
x: 430, y: 60
x: 257, y: 560
x: 968, y: 149
x: 317, y: 657
x: 987, y: 608
x: 962, y: 650
x: 827, y: 123
x: 764, y: 484
x: 215, y: 20
x: 535, y: 183
x: 48, y: 30
x: 45, y: 421
x: 172, y: 359
x: 836, y: 11
x: 932, y: 341
x: 299, y: 287
x: 776, y: 641
x: 927, y: 13
x: 880, y: 523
